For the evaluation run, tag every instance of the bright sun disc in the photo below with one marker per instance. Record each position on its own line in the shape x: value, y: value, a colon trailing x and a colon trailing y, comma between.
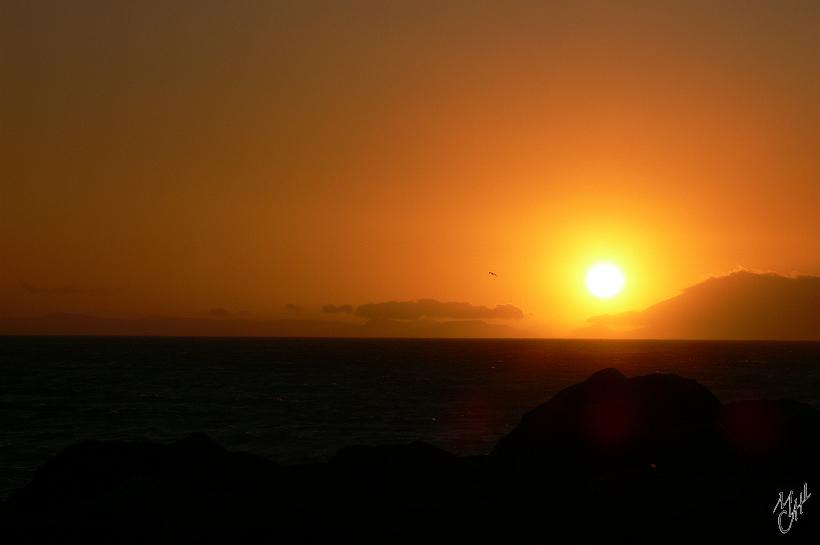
x: 605, y: 280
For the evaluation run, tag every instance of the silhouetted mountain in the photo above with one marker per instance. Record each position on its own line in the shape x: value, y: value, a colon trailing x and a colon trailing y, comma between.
x: 741, y: 305
x: 652, y: 456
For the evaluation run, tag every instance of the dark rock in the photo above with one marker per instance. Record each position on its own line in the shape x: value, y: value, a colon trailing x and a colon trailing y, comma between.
x: 413, y: 466
x: 131, y: 490
x: 121, y: 471
x: 771, y: 435
x: 610, y: 421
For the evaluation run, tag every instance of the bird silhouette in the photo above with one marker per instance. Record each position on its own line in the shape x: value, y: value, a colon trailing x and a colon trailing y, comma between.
x: 492, y: 273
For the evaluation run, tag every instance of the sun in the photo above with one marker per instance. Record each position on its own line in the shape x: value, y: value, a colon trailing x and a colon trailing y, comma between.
x: 605, y: 280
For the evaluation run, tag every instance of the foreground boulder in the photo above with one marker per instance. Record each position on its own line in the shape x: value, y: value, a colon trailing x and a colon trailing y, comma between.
x: 417, y: 466
x: 611, y: 421
x: 129, y: 491
x: 659, y: 452
x: 771, y: 436
x: 193, y: 469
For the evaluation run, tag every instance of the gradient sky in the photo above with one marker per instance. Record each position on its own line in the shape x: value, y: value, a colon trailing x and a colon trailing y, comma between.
x: 166, y: 158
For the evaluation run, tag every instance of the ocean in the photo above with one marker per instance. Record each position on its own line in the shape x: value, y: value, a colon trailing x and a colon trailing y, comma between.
x: 300, y: 400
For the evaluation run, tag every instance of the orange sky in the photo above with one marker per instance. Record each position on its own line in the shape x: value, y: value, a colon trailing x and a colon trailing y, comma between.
x: 172, y: 158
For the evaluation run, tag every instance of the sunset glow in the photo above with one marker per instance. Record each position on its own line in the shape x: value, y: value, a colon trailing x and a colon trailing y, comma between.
x: 268, y: 163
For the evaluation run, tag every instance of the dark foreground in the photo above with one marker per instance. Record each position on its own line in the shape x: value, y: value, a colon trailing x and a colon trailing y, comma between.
x: 655, y: 455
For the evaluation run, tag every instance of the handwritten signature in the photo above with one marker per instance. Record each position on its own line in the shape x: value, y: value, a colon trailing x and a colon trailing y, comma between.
x: 790, y: 508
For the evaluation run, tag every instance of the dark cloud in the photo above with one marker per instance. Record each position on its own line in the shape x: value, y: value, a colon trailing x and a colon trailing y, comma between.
x: 740, y: 305
x: 337, y: 309
x: 218, y: 312
x: 62, y: 290
x: 430, y: 308
x: 290, y: 307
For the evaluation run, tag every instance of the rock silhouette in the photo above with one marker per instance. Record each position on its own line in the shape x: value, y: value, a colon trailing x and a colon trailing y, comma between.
x: 611, y: 421
x: 650, y: 456
x: 414, y: 466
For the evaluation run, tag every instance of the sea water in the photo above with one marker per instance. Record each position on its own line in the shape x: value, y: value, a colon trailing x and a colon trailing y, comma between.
x: 300, y: 400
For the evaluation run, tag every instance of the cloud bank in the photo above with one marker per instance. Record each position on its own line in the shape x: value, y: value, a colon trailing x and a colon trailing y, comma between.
x: 433, y: 309
x: 337, y: 309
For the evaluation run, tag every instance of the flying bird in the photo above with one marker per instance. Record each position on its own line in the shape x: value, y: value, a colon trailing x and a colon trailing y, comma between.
x: 492, y: 273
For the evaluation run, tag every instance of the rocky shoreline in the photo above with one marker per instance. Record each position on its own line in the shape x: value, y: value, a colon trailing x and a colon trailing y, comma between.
x: 650, y: 456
